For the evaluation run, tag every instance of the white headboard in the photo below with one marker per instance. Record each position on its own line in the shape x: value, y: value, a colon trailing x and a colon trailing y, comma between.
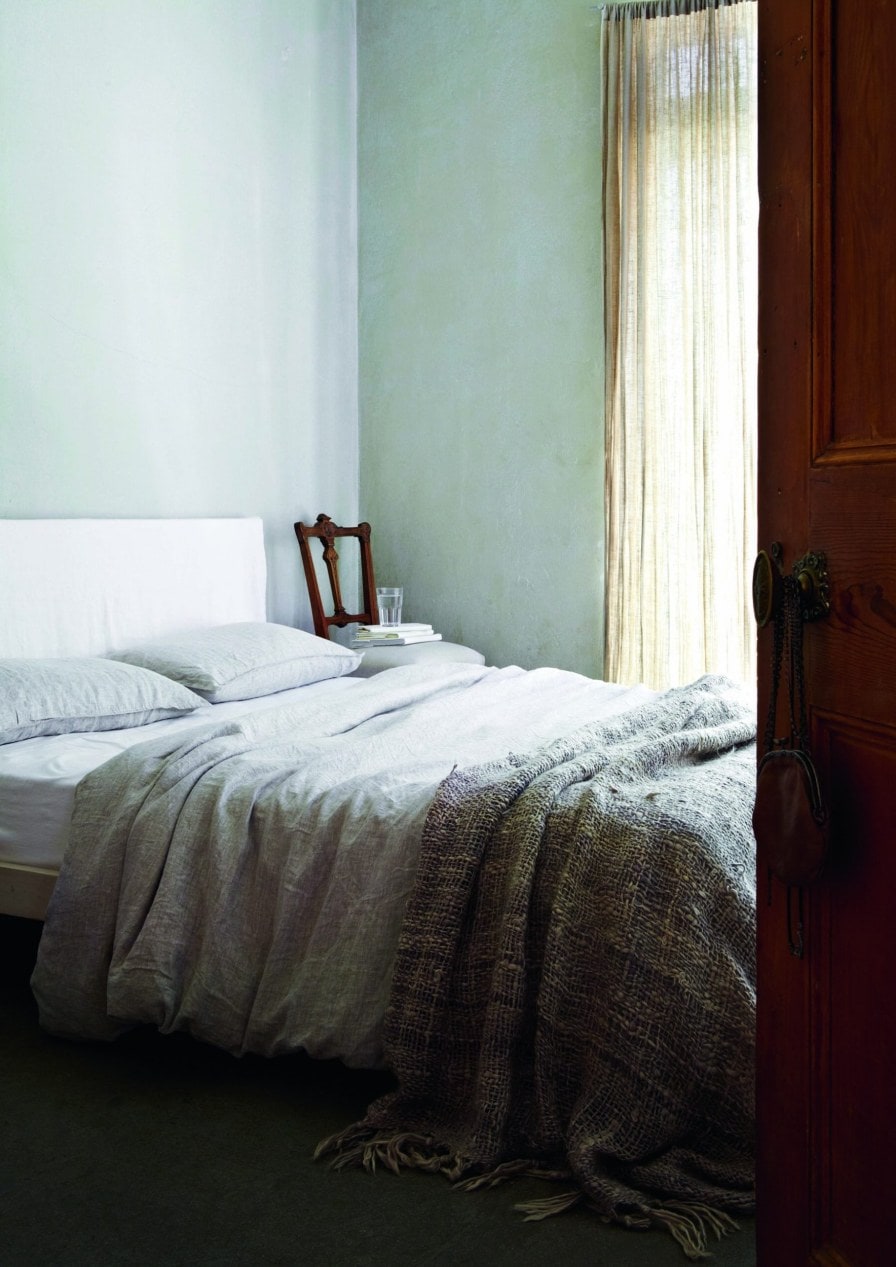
x: 74, y: 587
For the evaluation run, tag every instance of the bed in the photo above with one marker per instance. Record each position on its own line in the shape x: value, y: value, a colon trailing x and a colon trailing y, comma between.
x: 81, y: 587
x: 528, y: 893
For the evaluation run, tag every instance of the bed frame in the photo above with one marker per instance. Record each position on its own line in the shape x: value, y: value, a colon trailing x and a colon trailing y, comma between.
x: 84, y: 587
x: 25, y: 891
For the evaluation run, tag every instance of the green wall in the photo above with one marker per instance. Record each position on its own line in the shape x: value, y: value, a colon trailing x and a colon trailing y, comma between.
x: 182, y: 289
x: 481, y: 390
x: 178, y: 279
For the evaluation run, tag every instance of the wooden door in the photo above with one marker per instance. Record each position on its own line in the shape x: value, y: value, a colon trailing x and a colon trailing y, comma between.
x: 827, y: 403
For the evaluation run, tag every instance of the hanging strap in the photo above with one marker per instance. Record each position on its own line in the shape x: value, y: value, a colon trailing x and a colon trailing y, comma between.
x: 789, y: 818
x: 788, y: 638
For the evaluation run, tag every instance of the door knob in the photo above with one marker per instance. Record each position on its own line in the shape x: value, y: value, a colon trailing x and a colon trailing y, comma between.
x: 767, y: 584
x: 811, y: 575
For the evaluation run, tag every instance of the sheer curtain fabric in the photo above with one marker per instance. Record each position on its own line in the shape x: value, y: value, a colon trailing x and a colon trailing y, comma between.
x: 680, y: 267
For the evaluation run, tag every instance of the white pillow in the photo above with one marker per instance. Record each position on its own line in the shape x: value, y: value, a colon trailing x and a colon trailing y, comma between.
x: 243, y: 661
x: 376, y: 659
x: 60, y: 696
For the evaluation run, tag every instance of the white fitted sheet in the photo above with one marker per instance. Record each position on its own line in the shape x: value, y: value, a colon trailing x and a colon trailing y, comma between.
x: 38, y: 777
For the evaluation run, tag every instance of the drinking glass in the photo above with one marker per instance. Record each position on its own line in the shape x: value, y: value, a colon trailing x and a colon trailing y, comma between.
x: 388, y: 600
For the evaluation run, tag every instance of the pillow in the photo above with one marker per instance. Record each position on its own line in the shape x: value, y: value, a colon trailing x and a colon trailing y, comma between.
x: 378, y: 658
x: 61, y: 696
x: 242, y: 661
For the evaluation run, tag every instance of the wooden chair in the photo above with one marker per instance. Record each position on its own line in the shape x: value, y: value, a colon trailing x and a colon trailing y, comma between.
x: 327, y: 532
x: 375, y: 658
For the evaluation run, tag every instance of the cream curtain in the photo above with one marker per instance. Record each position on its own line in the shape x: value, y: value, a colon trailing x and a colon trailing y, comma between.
x: 680, y: 267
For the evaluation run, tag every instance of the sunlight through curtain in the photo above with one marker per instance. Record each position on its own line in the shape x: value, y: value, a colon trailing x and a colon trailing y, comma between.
x: 680, y: 266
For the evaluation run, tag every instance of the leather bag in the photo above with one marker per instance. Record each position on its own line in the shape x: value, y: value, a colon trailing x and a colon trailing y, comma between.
x: 789, y: 820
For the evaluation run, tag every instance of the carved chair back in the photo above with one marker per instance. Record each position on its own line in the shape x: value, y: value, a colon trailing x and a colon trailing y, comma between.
x: 327, y: 533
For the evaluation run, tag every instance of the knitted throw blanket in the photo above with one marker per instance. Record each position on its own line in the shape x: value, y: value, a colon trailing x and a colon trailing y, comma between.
x: 573, y: 995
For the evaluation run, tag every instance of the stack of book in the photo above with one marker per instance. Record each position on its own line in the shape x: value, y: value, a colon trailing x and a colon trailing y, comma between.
x: 393, y: 635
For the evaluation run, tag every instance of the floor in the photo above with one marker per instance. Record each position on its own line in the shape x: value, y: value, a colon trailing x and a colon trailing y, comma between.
x: 157, y: 1149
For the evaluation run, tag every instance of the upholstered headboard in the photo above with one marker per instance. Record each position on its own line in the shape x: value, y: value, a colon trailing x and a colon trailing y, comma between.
x: 74, y: 587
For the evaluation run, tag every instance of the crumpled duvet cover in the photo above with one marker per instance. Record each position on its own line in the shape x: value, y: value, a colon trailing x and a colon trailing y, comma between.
x: 247, y: 883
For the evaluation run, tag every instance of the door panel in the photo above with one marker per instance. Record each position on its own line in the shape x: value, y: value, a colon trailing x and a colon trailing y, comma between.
x: 826, y: 1029
x: 857, y: 116
x: 852, y: 1030
x: 853, y: 513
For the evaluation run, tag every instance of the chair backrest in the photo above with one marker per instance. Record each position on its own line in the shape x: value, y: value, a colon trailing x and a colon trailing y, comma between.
x: 326, y: 532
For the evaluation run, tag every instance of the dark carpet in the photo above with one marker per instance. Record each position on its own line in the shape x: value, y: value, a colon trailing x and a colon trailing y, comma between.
x: 160, y: 1150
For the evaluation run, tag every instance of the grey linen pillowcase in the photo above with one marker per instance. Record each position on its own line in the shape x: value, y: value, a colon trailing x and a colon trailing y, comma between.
x: 67, y: 695
x: 243, y: 661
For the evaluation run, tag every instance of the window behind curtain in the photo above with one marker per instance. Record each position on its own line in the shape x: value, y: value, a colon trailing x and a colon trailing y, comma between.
x: 680, y: 259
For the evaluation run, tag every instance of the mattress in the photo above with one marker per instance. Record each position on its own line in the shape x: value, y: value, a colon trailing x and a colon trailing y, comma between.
x: 38, y: 777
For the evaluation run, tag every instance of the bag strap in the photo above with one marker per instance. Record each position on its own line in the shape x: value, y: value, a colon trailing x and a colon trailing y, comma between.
x: 787, y: 645
x: 788, y: 638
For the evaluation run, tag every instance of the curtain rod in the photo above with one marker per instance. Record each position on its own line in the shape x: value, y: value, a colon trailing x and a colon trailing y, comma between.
x: 660, y: 8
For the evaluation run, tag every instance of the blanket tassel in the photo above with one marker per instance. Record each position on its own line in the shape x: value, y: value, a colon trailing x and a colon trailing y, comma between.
x: 362, y: 1149
x: 521, y: 1169
x: 689, y: 1224
x: 545, y: 1207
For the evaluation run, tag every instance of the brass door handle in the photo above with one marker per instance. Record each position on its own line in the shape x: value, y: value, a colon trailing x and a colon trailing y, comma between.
x: 811, y: 574
x: 767, y: 585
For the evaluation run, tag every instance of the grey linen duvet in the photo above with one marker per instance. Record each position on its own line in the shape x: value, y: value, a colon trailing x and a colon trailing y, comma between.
x: 247, y: 883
